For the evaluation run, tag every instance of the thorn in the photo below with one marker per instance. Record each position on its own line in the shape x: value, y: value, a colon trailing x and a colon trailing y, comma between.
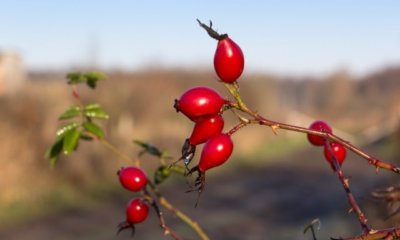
x: 350, y: 210
x: 372, y: 231
x: 274, y: 128
x: 346, y: 182
x: 377, y: 169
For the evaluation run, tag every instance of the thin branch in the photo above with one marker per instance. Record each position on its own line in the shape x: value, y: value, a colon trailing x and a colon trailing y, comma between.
x: 345, y: 182
x: 390, y: 233
x: 258, y: 119
x: 163, y: 225
x: 193, y: 224
x: 115, y: 150
x: 162, y: 200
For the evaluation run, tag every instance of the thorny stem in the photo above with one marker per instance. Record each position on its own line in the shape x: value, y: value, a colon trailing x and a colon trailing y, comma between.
x: 350, y: 197
x: 193, y: 224
x: 390, y: 233
x: 162, y: 200
x: 368, y: 233
x: 258, y: 119
x: 163, y: 225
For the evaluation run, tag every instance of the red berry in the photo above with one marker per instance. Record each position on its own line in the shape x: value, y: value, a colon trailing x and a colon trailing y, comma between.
x: 339, y: 152
x: 137, y: 211
x: 318, y: 126
x: 228, y: 60
x: 199, y: 103
x: 205, y: 129
x: 216, y: 151
x: 132, y: 178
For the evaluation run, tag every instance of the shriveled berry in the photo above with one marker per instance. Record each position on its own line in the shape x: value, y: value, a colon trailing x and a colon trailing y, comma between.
x: 205, y: 129
x: 199, y: 103
x: 339, y: 152
x: 137, y: 211
x: 216, y: 151
x: 318, y: 126
x: 132, y: 178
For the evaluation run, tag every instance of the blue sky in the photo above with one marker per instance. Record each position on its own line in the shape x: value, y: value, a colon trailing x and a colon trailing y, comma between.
x: 283, y: 37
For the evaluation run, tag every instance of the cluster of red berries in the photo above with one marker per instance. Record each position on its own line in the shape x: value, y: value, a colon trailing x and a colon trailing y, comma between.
x: 134, y: 179
x: 332, y: 150
x: 204, y: 107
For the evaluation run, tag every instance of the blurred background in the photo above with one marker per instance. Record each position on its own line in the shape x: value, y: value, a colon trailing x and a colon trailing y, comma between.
x: 308, y: 60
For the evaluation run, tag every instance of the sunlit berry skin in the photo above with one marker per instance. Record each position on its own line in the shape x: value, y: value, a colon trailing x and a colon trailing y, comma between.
x: 205, y: 129
x: 228, y: 60
x: 216, y: 151
x: 132, y: 178
x: 318, y: 126
x: 199, y: 103
x: 136, y: 211
x: 339, y: 152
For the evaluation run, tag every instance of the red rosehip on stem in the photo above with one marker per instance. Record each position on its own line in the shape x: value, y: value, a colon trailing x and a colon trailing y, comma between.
x: 205, y: 129
x: 228, y: 57
x: 228, y: 60
x: 132, y: 178
x: 202, y: 131
x: 136, y: 211
x: 339, y: 152
x: 199, y: 103
x: 318, y: 126
x: 216, y: 151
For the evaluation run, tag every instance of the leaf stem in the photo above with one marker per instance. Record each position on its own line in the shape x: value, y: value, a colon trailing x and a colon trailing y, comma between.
x: 115, y: 150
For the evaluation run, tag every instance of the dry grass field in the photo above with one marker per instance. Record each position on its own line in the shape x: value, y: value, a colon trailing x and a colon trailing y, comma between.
x: 260, y: 186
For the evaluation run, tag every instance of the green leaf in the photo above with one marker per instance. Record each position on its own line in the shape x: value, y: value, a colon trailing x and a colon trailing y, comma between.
x: 70, y: 142
x: 92, y: 106
x: 85, y: 136
x: 149, y: 148
x: 75, y: 77
x: 53, y: 153
x: 94, y: 128
x: 93, y: 77
x: 96, y: 113
x: 65, y: 129
x: 72, y: 112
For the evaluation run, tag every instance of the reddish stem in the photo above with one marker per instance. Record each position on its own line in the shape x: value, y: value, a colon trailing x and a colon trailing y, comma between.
x: 329, y: 136
x: 390, y: 233
x: 345, y: 182
x: 163, y: 225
